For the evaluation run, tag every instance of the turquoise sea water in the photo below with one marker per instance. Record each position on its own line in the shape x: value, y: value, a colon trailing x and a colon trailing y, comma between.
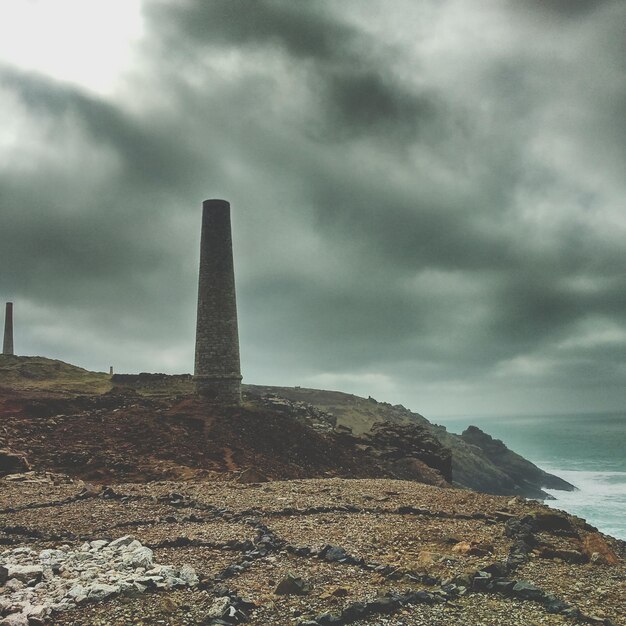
x: 588, y: 450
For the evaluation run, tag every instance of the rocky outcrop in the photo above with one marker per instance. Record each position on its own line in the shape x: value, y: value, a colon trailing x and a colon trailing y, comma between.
x: 408, y: 448
x: 519, y: 473
x: 12, y: 463
x: 321, y: 421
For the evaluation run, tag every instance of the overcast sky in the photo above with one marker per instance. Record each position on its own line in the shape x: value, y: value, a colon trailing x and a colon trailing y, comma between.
x: 428, y: 196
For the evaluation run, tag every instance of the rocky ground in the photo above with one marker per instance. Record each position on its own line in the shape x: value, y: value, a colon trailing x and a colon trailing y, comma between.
x: 128, y: 500
x: 301, y: 552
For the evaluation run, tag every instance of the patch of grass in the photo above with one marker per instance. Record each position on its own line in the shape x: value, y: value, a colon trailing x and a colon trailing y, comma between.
x: 35, y: 373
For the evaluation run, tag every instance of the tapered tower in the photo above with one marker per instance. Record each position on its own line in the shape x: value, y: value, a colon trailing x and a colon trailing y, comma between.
x: 7, y: 345
x: 217, y: 372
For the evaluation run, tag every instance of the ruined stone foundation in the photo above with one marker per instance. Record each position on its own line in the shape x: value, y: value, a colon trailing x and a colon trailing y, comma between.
x: 217, y: 373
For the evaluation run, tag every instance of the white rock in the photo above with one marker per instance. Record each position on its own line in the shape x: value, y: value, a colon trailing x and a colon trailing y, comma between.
x: 13, y: 584
x: 139, y: 587
x: 63, y: 605
x: 218, y: 608
x: 77, y: 591
x: 48, y: 575
x: 68, y: 577
x: 25, y: 572
x: 122, y: 541
x: 38, y: 610
x: 141, y: 557
x: 188, y: 575
x: 130, y: 588
x: 49, y: 555
x: 101, y: 592
x: 15, y: 619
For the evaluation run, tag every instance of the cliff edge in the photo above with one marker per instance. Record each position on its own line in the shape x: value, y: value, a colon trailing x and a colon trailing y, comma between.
x: 475, y: 463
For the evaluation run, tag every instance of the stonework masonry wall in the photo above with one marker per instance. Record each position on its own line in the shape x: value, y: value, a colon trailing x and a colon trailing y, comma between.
x: 217, y: 372
x: 7, y: 344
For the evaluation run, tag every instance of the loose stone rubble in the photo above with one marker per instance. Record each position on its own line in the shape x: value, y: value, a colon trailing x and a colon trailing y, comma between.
x: 40, y: 582
x: 301, y: 553
x: 319, y: 420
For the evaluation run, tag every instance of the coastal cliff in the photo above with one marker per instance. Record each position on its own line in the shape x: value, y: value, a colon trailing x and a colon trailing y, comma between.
x: 525, y: 475
x: 478, y: 463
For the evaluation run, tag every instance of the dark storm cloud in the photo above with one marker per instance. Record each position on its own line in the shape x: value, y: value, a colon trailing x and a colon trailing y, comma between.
x: 387, y: 233
x: 426, y: 207
x: 567, y: 8
x: 355, y: 87
x: 149, y: 157
x: 76, y: 230
x: 302, y: 29
x: 365, y: 102
x: 83, y: 221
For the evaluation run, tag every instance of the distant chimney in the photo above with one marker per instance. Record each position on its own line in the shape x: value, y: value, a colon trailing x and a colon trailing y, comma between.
x: 217, y: 372
x: 7, y: 346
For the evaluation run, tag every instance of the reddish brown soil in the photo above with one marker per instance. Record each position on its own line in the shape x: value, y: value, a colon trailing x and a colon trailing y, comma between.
x: 124, y: 436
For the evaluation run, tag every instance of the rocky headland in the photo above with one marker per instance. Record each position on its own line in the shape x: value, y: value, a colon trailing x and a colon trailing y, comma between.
x: 127, y: 500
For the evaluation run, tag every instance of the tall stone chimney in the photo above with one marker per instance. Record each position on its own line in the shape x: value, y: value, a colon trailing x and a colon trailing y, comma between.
x: 217, y: 372
x: 7, y: 345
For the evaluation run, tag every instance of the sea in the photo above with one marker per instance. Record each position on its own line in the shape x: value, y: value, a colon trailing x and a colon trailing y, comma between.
x: 588, y: 450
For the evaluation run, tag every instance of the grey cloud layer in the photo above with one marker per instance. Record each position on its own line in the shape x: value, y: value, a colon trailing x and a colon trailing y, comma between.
x: 438, y: 208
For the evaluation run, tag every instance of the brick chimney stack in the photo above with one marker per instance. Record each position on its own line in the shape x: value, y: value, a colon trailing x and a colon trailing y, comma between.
x: 7, y: 346
x: 217, y: 372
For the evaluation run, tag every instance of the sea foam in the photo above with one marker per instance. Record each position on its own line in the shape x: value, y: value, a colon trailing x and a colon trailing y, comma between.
x: 600, y: 499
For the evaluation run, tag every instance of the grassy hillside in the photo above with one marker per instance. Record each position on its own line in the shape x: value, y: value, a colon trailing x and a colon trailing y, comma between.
x: 36, y: 373
x: 357, y: 413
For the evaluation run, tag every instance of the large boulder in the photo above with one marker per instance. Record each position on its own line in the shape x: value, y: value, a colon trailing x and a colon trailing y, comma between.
x: 12, y: 463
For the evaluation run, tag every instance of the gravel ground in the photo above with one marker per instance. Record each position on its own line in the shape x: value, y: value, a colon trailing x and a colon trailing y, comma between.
x: 472, y: 611
x: 208, y: 562
x: 386, y: 536
x: 598, y: 589
x: 410, y: 542
x: 382, y: 494
x: 88, y: 517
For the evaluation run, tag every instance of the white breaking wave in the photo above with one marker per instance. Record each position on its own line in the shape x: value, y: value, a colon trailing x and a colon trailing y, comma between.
x: 600, y: 499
